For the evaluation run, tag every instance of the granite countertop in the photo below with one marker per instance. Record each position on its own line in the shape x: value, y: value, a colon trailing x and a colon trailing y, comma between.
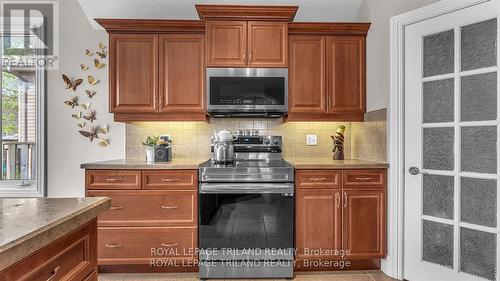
x: 140, y: 164
x: 329, y: 163
x: 29, y: 224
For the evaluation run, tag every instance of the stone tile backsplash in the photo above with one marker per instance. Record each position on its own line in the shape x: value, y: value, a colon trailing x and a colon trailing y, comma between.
x: 192, y: 139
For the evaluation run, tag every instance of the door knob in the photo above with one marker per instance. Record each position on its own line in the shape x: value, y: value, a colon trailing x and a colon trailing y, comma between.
x: 415, y: 171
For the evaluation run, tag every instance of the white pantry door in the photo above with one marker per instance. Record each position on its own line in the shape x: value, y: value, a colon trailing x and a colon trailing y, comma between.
x: 451, y: 146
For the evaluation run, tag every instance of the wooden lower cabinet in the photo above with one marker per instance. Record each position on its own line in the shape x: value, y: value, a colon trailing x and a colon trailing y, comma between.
x: 72, y: 257
x: 340, y: 221
x: 319, y: 227
x: 364, y: 223
x: 151, y: 228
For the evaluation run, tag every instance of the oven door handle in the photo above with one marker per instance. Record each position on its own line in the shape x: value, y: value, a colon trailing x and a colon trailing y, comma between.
x: 286, y: 189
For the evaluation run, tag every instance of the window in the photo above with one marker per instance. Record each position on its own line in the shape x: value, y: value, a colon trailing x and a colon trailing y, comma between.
x: 22, y: 126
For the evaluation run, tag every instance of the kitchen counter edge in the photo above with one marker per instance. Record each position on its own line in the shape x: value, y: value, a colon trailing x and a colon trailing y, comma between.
x: 24, y: 244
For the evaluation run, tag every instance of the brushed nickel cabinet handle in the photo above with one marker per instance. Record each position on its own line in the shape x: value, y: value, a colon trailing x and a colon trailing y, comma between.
x: 250, y: 56
x: 345, y: 199
x: 116, y: 208
x: 169, y: 180
x: 53, y: 273
x: 244, y: 56
x: 363, y: 178
x: 337, y: 199
x: 113, y: 245
x: 169, y: 207
x: 113, y: 179
x: 169, y: 245
x: 317, y: 179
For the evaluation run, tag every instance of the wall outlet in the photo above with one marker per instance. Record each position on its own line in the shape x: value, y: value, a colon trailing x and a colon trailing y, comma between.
x: 312, y: 139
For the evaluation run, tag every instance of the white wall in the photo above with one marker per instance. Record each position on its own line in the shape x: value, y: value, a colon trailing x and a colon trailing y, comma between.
x: 378, y: 12
x: 67, y: 149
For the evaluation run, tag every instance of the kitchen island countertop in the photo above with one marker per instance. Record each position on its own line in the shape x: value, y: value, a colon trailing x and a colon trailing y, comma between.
x: 29, y: 224
x: 329, y: 163
x: 140, y: 164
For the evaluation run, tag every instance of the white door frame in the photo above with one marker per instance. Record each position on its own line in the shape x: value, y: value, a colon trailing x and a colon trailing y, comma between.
x: 393, y: 265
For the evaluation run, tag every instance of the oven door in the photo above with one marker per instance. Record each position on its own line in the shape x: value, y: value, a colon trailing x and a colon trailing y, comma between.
x: 247, y: 90
x: 246, y: 221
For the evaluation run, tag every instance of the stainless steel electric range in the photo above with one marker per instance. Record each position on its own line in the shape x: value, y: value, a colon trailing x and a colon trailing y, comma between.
x: 246, y: 213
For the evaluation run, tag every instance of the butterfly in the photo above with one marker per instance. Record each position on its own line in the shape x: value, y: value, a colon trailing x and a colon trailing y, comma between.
x: 88, y: 52
x: 91, y: 134
x: 101, y: 46
x: 81, y: 125
x: 86, y: 105
x: 71, y: 84
x: 84, y: 67
x: 72, y: 102
x: 104, y: 143
x: 101, y: 54
x: 90, y: 94
x: 92, y: 80
x: 104, y: 129
x: 77, y: 115
x: 98, y: 64
x: 90, y: 116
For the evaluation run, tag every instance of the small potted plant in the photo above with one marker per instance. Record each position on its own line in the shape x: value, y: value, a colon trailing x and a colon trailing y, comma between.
x: 150, y: 144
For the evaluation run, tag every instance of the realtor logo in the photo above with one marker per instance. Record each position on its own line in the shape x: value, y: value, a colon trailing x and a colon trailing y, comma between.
x: 29, y: 31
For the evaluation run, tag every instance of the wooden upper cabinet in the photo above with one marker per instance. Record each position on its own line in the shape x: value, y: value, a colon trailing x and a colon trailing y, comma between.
x: 181, y: 71
x: 318, y: 224
x: 133, y: 73
x: 345, y: 60
x: 247, y: 44
x: 226, y: 43
x: 267, y: 44
x: 364, y: 223
x: 306, y: 72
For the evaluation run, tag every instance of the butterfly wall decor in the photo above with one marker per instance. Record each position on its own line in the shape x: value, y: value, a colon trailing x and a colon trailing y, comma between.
x: 70, y: 84
x: 91, y: 134
x: 92, y: 80
x: 86, y: 106
x: 72, y: 102
x: 98, y: 64
x: 90, y: 116
x: 90, y: 94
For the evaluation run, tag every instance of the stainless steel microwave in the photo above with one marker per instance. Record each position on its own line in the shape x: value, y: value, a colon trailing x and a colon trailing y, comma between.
x: 247, y: 92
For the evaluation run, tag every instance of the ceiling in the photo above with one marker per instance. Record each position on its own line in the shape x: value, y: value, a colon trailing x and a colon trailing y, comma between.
x: 309, y: 10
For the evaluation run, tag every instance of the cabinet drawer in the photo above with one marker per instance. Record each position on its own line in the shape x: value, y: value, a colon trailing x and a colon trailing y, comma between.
x: 173, y: 179
x: 363, y: 178
x: 148, y: 208
x: 318, y: 179
x: 112, y: 179
x: 72, y: 257
x: 138, y: 245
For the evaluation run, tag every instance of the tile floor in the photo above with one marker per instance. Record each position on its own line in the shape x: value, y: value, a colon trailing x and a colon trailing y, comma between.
x: 300, y: 276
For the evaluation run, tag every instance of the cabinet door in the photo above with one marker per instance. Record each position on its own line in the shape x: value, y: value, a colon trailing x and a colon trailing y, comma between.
x: 345, y: 60
x: 133, y: 73
x: 181, y: 72
x: 307, y: 74
x: 267, y: 44
x: 318, y: 223
x: 226, y: 43
x: 364, y: 223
